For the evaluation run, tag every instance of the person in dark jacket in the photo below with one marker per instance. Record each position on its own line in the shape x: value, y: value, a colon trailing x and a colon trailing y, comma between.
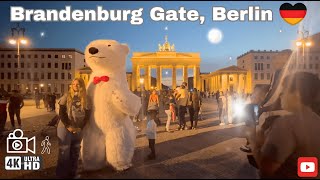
x: 15, y: 105
x: 196, y: 104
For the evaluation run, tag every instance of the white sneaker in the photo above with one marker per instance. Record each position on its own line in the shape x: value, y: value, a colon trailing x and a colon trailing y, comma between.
x: 222, y: 124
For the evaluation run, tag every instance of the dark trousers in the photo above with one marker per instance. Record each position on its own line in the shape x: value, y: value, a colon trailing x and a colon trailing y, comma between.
x: 152, y: 143
x: 3, y: 119
x: 53, y: 106
x: 13, y: 112
x: 191, y: 114
x: 182, y: 121
x: 195, y: 117
x: 220, y: 113
x: 69, y: 152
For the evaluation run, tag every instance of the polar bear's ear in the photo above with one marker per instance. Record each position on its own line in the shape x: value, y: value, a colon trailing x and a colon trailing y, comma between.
x: 125, y: 48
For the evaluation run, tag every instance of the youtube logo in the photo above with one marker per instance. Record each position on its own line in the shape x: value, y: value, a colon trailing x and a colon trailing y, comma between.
x: 307, y: 167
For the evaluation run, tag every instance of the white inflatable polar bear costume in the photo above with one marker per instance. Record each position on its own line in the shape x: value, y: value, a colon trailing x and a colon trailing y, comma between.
x: 109, y: 136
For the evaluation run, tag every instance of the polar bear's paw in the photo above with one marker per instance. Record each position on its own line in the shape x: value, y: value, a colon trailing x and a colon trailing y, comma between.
x: 122, y: 167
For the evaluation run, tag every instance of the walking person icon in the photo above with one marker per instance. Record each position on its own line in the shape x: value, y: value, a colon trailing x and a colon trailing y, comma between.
x: 45, y: 143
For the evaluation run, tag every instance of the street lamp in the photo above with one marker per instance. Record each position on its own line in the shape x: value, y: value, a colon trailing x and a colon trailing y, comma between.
x: 17, y: 41
x: 303, y: 42
x: 142, y: 97
x: 41, y: 85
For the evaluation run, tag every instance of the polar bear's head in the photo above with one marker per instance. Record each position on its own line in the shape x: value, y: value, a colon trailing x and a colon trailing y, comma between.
x: 106, y: 55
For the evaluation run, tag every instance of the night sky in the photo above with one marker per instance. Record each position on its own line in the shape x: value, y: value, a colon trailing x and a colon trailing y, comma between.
x: 238, y: 37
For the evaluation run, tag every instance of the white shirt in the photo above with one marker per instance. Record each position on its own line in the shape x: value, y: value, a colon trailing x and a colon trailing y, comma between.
x: 151, y: 131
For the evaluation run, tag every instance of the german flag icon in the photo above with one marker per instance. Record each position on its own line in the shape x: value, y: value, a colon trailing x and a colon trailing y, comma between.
x: 293, y: 14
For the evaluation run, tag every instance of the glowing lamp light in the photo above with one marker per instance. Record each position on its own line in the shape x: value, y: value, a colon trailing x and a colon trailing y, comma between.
x: 141, y: 80
x: 239, y: 108
x: 23, y: 41
x: 298, y: 43
x: 12, y: 41
x: 308, y: 43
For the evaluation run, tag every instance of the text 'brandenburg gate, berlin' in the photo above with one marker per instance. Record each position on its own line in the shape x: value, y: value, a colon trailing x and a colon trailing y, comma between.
x: 165, y: 58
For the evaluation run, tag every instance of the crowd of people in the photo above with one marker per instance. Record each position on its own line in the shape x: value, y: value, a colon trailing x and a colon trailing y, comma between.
x: 12, y: 104
x: 176, y: 103
x: 275, y: 140
x: 49, y: 100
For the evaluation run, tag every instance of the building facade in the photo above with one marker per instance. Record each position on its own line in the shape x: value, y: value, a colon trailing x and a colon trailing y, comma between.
x: 165, y: 58
x: 46, y: 70
x: 260, y: 66
x: 231, y: 78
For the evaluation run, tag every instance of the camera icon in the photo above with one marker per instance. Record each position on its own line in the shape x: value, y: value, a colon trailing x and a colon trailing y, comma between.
x: 16, y: 143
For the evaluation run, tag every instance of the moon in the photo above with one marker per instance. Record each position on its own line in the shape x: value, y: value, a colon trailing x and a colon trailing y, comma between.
x: 215, y: 36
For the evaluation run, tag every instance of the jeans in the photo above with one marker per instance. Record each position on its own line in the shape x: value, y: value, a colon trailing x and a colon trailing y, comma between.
x: 222, y: 115
x: 13, y: 112
x: 195, y: 117
x: 182, y: 121
x: 69, y: 152
x: 169, y: 118
x: 191, y: 114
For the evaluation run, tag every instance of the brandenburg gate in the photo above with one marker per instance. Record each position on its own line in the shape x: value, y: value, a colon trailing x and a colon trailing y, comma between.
x: 165, y: 58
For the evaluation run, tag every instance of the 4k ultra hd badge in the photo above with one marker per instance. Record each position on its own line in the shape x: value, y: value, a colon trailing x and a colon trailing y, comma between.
x: 293, y: 14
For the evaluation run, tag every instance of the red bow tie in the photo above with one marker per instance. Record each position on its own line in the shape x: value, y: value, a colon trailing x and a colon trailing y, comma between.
x: 97, y: 80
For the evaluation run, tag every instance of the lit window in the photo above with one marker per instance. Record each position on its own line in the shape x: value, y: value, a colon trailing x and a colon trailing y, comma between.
x: 63, y: 56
